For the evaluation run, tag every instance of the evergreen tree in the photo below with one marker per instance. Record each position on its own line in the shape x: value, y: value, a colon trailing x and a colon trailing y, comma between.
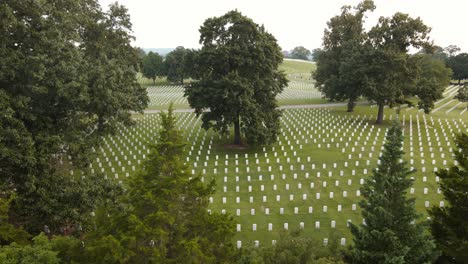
x: 163, y: 218
x: 390, y: 234
x: 449, y: 224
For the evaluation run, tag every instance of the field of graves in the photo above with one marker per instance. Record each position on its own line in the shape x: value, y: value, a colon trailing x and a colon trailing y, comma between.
x: 301, y: 89
x: 310, y: 178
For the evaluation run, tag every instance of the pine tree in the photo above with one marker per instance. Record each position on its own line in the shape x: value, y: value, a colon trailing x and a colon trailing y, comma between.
x: 390, y: 233
x: 164, y: 218
x: 449, y: 225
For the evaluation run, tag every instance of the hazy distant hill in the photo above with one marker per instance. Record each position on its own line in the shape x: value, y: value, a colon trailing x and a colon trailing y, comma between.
x: 160, y: 51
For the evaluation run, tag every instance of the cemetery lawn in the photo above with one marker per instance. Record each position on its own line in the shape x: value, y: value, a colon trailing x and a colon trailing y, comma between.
x: 324, y: 151
x: 300, y: 90
x: 297, y: 66
x: 312, y: 175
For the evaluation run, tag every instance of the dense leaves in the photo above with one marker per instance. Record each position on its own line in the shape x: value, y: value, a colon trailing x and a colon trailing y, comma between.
x: 340, y: 72
x: 394, y: 74
x: 376, y: 64
x: 459, y: 65
x: 179, y: 64
x: 39, y: 252
x: 163, y: 215
x: 300, y: 53
x: 238, y: 78
x: 462, y: 94
x: 449, y: 225
x: 390, y: 234
x: 433, y: 77
x: 67, y: 77
x: 152, y: 66
x: 292, y: 247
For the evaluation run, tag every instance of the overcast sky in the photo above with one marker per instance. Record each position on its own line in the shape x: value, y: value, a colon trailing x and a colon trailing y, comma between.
x: 171, y: 23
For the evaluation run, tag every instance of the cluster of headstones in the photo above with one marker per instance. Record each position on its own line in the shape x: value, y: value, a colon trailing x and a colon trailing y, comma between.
x: 448, y: 104
x: 300, y: 90
x: 164, y: 95
x: 285, y: 180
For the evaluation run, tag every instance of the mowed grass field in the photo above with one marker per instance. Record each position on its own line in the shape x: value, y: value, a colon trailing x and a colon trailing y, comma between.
x: 301, y: 88
x: 311, y: 175
x: 310, y: 178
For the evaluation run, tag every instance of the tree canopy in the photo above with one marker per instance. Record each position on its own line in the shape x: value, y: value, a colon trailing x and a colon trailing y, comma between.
x: 459, y: 66
x: 300, y: 53
x: 448, y: 223
x: 163, y: 216
x: 67, y: 77
x: 179, y: 64
x: 391, y: 233
x: 377, y: 64
x: 238, y: 78
x: 152, y: 65
x: 340, y: 68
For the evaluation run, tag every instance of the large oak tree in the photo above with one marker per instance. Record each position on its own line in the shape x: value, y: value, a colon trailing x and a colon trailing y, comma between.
x: 340, y: 70
x: 239, y: 78
x: 67, y: 77
x: 152, y: 65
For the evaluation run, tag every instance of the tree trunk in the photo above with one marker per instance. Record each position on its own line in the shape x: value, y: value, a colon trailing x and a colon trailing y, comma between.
x: 351, y: 105
x: 154, y: 80
x: 237, y: 135
x: 459, y: 81
x: 380, y: 114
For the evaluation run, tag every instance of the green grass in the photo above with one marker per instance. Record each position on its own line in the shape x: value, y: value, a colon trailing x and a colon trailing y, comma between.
x: 301, y: 89
x: 298, y: 125
x: 297, y: 67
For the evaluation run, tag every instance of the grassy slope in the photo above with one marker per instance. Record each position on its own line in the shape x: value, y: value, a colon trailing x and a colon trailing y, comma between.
x: 200, y: 148
x: 298, y: 73
x: 301, y: 122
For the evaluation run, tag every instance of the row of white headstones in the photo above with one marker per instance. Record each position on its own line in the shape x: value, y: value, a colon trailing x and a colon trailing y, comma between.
x: 196, y: 133
x: 164, y: 95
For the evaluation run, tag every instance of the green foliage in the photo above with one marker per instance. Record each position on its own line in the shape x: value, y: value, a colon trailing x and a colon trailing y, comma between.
x: 9, y: 233
x: 300, y: 53
x: 163, y: 216
x: 459, y: 66
x: 290, y: 248
x: 390, y: 233
x: 67, y: 77
x: 340, y: 73
x: 179, y: 64
x: 393, y: 74
x: 39, y: 252
x: 376, y: 64
x: 433, y: 77
x: 315, y: 54
x: 452, y: 50
x: 152, y: 66
x: 141, y: 55
x: 238, y: 78
x: 462, y: 94
x: 449, y: 225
